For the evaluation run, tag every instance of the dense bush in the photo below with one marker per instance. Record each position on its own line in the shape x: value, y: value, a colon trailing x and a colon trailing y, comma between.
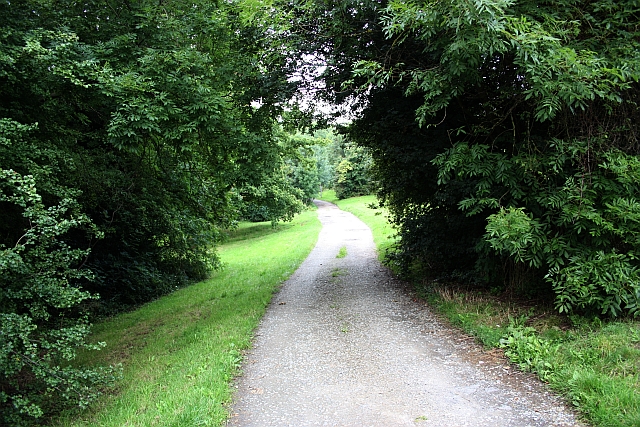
x: 526, y: 154
x: 437, y: 238
x: 41, y: 272
x: 274, y: 199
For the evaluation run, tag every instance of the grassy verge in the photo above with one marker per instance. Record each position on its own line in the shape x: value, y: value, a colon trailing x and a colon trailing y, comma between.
x: 595, y: 364
x: 368, y: 210
x: 180, y: 353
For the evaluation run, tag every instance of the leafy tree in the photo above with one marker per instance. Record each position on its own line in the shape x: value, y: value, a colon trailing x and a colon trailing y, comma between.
x: 436, y: 237
x: 147, y: 117
x: 353, y: 172
x: 274, y: 199
x: 125, y: 128
x: 292, y: 185
x: 303, y: 166
x: 324, y: 166
x: 40, y: 276
x: 527, y: 141
x: 307, y: 164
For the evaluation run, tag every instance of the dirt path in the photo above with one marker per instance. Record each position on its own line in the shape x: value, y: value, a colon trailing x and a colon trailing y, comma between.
x: 344, y: 344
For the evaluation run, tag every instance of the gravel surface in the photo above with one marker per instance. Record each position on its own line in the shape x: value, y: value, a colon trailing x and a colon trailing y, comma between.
x: 345, y: 344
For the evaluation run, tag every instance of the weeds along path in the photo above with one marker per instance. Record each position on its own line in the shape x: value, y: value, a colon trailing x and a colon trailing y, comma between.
x: 344, y: 344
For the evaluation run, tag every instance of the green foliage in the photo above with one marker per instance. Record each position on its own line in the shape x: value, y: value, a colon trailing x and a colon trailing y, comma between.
x: 587, y: 222
x: 525, y: 348
x: 503, y: 133
x: 307, y: 163
x: 292, y: 184
x: 342, y: 252
x: 303, y: 166
x: 608, y: 281
x: 136, y: 122
x: 274, y: 199
x: 326, y: 152
x: 575, y: 231
x: 436, y: 237
x: 40, y: 277
x: 353, y: 173
x: 141, y: 109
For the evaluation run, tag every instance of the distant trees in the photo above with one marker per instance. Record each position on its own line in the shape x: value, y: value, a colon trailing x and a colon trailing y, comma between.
x: 353, y: 174
x: 505, y: 135
x: 309, y: 164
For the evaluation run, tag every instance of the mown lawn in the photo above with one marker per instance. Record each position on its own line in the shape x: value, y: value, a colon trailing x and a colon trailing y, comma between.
x: 180, y: 353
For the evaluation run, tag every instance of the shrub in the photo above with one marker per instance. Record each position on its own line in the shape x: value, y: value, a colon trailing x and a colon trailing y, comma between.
x: 41, y: 324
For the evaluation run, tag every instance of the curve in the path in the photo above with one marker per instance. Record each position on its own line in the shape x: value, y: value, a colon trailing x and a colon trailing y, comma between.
x: 344, y: 344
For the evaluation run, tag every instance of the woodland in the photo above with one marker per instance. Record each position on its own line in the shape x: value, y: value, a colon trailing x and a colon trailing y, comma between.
x: 501, y: 135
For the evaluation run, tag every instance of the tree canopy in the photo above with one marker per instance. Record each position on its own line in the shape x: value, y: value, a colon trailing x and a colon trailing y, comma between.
x: 515, y: 126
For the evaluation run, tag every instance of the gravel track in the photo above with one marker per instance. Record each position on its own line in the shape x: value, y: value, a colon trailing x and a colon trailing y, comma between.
x: 345, y: 344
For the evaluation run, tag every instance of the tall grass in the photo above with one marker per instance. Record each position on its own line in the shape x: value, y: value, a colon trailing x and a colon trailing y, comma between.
x: 180, y: 353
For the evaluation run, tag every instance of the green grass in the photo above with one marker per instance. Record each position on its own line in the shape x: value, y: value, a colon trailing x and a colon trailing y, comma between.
x: 598, y: 367
x: 338, y: 272
x: 368, y: 210
x: 329, y: 196
x: 180, y: 353
x: 595, y: 364
x: 342, y: 252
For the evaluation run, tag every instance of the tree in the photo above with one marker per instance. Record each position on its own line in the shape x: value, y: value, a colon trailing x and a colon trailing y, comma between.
x: 125, y: 129
x: 527, y: 136
x: 308, y: 164
x: 325, y: 154
x: 353, y: 175
x: 40, y: 327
